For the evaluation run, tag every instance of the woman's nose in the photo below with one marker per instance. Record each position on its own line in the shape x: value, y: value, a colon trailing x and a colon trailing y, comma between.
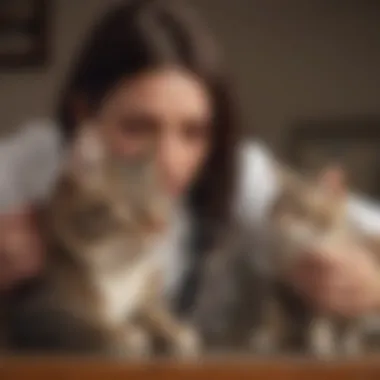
x: 169, y: 162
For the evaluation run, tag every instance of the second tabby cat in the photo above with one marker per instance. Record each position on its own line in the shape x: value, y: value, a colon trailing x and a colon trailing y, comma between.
x: 308, y: 217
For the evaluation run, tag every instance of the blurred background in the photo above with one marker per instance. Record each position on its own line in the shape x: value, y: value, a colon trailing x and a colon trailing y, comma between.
x: 297, y: 65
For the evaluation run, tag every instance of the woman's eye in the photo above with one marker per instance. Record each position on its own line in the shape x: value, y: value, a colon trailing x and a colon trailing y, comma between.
x: 196, y: 131
x: 137, y: 126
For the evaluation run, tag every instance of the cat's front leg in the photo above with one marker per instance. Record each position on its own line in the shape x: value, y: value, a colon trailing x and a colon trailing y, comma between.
x: 322, y: 338
x: 131, y: 342
x: 268, y: 337
x: 183, y: 338
x: 352, y: 339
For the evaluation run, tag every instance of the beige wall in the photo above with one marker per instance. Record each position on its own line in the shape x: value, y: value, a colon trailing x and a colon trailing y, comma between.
x: 290, y: 59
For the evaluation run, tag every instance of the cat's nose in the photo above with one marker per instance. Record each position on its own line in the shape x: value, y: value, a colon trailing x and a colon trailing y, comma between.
x: 156, y: 223
x: 91, y: 221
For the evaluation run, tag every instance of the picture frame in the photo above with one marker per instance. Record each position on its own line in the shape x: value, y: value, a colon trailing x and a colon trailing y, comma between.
x: 353, y: 143
x: 23, y: 33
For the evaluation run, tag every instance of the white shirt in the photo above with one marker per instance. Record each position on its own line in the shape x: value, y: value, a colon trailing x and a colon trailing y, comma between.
x: 30, y: 161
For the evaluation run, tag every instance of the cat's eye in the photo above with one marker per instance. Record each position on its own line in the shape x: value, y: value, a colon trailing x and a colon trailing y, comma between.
x: 299, y: 209
x: 98, y: 211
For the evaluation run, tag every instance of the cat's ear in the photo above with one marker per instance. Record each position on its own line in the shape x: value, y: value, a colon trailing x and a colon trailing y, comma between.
x: 333, y: 179
x: 87, y: 152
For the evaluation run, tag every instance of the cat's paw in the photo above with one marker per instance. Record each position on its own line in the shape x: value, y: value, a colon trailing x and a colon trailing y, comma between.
x: 264, y: 342
x: 133, y: 343
x: 188, y: 344
x: 118, y: 351
x: 139, y: 344
x: 352, y: 344
x: 322, y: 340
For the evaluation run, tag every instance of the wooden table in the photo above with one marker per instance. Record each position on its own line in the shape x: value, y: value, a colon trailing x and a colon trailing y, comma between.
x: 62, y: 369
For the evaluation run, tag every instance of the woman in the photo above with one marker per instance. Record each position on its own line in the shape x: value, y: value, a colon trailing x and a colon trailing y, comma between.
x: 150, y: 67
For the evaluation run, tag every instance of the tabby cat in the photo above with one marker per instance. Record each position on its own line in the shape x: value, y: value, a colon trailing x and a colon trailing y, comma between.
x: 309, y: 217
x: 101, y: 291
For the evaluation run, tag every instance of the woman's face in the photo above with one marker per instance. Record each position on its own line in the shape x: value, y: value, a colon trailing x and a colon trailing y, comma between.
x: 172, y: 105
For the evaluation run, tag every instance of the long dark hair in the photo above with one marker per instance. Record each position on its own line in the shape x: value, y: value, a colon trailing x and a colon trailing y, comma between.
x: 137, y: 35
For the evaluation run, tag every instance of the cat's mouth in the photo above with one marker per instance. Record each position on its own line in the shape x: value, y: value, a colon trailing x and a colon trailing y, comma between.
x: 155, y: 225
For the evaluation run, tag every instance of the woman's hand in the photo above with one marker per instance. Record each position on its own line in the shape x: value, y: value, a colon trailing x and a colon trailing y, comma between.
x: 21, y: 251
x: 346, y: 283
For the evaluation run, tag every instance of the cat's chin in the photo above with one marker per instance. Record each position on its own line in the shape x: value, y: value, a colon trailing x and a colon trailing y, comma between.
x: 106, y: 256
